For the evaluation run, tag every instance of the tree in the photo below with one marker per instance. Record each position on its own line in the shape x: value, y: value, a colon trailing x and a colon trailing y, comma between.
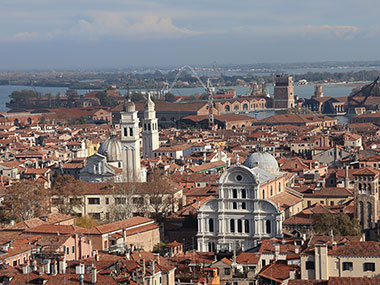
x: 67, y: 194
x: 122, y: 201
x: 137, y: 96
x: 106, y: 100
x: 71, y: 94
x: 159, y: 193
x: 25, y: 200
x: 170, y: 97
x: 341, y: 224
x: 86, y: 222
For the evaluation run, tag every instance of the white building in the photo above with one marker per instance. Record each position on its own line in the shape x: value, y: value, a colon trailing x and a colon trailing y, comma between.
x: 150, y: 139
x: 239, y: 217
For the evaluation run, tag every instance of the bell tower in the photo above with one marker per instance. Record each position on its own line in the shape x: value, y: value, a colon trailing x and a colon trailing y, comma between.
x: 366, y: 197
x: 130, y: 140
x: 149, y: 129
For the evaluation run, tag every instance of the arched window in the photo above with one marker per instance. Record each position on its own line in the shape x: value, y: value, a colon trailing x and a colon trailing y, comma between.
x: 263, y: 194
x: 369, y: 188
x: 243, y: 206
x: 246, y: 226
x: 369, y: 209
x: 234, y: 193
x: 360, y: 186
x: 361, y: 210
x: 211, y: 225
x: 243, y: 193
x: 268, y: 227
x: 240, y: 226
x: 227, y: 108
x: 232, y: 225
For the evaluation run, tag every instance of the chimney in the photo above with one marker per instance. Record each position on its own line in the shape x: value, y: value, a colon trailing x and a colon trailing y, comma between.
x: 276, y: 251
x: 124, y: 238
x: 54, y: 267
x: 25, y: 269
x: 292, y: 273
x: 62, y: 265
x: 42, y: 268
x: 47, y: 266
x: 346, y: 178
x: 93, y: 275
x: 152, y: 266
x: 33, y: 265
x: 142, y: 262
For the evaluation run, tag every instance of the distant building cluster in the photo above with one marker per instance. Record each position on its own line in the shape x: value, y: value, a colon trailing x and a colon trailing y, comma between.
x: 146, y: 193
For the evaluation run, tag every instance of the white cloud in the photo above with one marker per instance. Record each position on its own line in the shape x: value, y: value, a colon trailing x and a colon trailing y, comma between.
x: 100, y: 24
x: 304, y: 31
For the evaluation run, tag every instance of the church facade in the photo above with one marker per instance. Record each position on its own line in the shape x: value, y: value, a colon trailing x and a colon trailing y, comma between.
x: 119, y: 160
x: 239, y: 217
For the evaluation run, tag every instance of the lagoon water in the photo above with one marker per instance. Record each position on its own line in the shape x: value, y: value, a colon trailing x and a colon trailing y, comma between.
x: 303, y: 91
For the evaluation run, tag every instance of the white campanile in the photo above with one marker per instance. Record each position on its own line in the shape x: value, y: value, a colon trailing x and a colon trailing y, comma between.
x: 149, y: 129
x: 130, y: 140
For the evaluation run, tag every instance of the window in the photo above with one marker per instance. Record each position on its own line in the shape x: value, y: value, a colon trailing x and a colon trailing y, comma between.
x: 308, y: 204
x: 131, y: 132
x: 119, y: 201
x: 240, y: 226
x: 263, y: 262
x: 94, y: 201
x: 227, y: 271
x: 232, y: 226
x: 271, y: 190
x: 332, y: 203
x: 138, y: 200
x: 107, y: 201
x: 234, y: 193
x: 310, y: 265
x: 369, y: 266
x: 246, y: 226
x: 239, y: 177
x: 234, y: 205
x: 347, y: 266
x: 125, y: 132
x: 279, y: 186
x: 67, y: 250
x: 243, y: 193
x: 243, y: 206
x: 263, y: 194
x: 211, y: 225
x: 268, y: 227
x: 73, y: 249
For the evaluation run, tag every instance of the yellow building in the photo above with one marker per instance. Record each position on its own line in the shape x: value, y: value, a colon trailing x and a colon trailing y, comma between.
x: 329, y: 196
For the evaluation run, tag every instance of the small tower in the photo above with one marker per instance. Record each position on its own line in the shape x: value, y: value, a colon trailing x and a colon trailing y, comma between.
x: 318, y: 93
x: 149, y: 129
x: 283, y: 92
x: 366, y: 196
x: 130, y: 141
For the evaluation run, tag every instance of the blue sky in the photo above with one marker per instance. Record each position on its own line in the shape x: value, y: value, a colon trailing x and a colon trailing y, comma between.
x: 85, y: 34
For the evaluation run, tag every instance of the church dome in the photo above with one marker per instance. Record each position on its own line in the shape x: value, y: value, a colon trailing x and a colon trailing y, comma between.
x: 262, y: 160
x: 111, y: 149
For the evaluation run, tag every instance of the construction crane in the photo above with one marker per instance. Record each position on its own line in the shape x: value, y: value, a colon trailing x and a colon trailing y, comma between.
x: 207, y: 87
x: 359, y: 101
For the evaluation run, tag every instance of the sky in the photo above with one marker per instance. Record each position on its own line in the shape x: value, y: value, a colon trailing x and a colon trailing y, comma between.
x: 96, y: 34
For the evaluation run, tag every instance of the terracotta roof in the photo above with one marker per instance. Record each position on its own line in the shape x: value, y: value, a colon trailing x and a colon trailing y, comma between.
x: 124, y: 224
x: 367, y: 171
x: 248, y: 258
x: 358, y: 248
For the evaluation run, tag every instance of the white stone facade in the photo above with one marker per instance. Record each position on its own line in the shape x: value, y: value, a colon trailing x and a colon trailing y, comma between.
x: 237, y: 217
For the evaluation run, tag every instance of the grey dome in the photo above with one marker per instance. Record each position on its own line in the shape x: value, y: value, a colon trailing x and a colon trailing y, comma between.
x: 111, y: 149
x: 262, y: 160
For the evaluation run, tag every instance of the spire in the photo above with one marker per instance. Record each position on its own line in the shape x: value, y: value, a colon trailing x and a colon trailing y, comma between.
x: 149, y: 104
